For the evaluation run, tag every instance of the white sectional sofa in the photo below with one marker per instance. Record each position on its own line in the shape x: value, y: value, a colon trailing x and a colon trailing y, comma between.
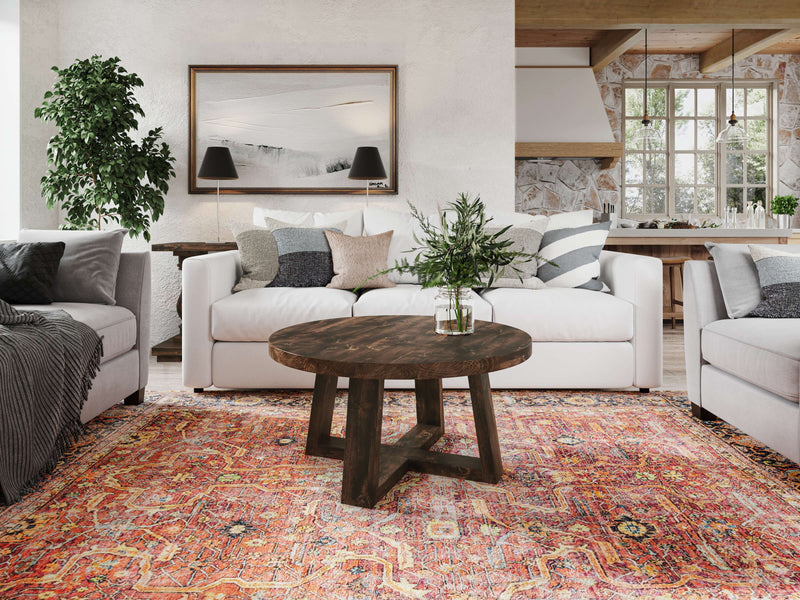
x: 581, y: 338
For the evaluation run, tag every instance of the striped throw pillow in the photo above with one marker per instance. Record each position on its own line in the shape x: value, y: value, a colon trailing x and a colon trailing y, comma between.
x: 779, y: 276
x: 576, y: 254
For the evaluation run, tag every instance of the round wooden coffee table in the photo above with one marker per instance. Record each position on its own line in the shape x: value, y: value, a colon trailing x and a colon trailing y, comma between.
x: 369, y: 350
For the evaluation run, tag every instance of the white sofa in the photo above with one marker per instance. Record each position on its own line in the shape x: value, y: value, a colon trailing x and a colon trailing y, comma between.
x: 745, y: 371
x: 581, y: 339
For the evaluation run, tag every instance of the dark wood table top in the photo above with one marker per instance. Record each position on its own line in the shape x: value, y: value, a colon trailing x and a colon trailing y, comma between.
x: 397, y: 347
x: 198, y: 247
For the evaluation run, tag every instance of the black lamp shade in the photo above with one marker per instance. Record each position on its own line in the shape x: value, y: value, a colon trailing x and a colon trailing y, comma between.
x: 217, y: 164
x: 367, y: 164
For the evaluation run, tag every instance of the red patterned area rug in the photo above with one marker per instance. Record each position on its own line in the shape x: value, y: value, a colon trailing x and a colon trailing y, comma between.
x: 604, y: 495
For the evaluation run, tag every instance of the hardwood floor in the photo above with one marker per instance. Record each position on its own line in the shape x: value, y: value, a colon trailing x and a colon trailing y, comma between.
x: 167, y: 376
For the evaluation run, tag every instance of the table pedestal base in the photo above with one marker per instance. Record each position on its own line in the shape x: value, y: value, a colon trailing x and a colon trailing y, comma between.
x: 371, y: 468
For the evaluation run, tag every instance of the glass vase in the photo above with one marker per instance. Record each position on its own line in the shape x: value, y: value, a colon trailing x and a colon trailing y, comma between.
x: 454, y: 312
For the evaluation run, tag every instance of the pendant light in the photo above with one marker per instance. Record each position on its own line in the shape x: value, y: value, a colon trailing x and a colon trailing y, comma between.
x: 646, y: 135
x: 734, y: 133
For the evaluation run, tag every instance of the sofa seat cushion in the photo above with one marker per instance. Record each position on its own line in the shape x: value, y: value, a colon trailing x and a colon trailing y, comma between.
x: 764, y: 352
x: 563, y: 314
x: 409, y: 299
x: 115, y: 324
x: 254, y: 315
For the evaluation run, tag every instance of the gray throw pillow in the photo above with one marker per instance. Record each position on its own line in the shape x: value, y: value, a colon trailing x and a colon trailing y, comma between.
x: 738, y: 277
x: 259, y: 253
x: 779, y: 277
x: 523, y: 239
x: 89, y: 266
x: 28, y: 271
x: 304, y: 258
x: 575, y: 252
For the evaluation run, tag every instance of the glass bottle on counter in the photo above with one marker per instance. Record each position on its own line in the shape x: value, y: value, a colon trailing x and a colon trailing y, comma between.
x: 760, y: 216
x: 750, y: 216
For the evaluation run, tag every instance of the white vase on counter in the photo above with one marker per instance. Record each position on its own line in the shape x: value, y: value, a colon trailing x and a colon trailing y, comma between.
x: 760, y: 216
x: 783, y: 221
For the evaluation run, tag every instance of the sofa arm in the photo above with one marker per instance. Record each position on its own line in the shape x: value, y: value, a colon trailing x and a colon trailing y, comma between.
x: 702, y: 304
x: 639, y: 280
x: 206, y: 279
x: 133, y: 292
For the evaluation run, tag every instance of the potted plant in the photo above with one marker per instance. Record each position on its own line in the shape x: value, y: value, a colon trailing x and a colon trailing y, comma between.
x: 783, y: 208
x: 98, y: 174
x: 456, y: 255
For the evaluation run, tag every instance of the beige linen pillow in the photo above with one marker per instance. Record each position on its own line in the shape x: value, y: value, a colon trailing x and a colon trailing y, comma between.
x: 259, y: 255
x: 356, y: 259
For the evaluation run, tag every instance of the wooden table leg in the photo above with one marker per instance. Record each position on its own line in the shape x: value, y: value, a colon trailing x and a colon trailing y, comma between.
x: 430, y: 406
x: 319, y: 424
x: 362, y: 446
x: 486, y: 427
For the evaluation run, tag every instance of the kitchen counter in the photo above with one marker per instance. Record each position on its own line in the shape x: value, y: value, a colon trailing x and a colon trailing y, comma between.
x: 695, y: 237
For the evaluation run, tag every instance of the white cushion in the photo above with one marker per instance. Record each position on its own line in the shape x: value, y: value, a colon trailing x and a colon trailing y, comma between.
x: 563, y: 314
x: 577, y: 218
x: 378, y: 220
x: 115, y: 324
x: 353, y: 219
x: 409, y: 300
x: 537, y: 222
x: 254, y: 315
x: 765, y: 352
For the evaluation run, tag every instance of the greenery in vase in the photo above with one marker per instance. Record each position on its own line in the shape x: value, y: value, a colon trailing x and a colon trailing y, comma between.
x: 98, y: 174
x: 459, y: 253
x: 784, y: 205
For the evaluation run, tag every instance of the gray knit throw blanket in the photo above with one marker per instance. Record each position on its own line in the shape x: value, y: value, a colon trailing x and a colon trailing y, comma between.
x: 47, y: 363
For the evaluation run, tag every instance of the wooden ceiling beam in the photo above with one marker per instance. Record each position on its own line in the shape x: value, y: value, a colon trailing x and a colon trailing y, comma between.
x: 630, y: 14
x: 747, y: 42
x: 613, y: 45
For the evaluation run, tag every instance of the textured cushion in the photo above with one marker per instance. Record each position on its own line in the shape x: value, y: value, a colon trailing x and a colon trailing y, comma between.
x: 28, y: 271
x: 779, y: 277
x: 378, y: 220
x: 523, y: 239
x: 765, y: 352
x: 563, y: 315
x: 352, y: 219
x: 259, y: 254
x: 88, y: 269
x: 357, y: 259
x: 304, y: 258
x: 576, y: 254
x: 538, y: 222
x: 410, y: 299
x: 254, y: 315
x: 116, y: 325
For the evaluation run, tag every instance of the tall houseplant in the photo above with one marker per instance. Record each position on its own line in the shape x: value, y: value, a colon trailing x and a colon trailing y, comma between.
x: 459, y: 254
x: 98, y: 174
x: 783, y: 207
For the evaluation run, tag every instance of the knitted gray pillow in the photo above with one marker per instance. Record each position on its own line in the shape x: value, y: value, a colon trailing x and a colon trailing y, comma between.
x: 779, y: 276
x: 304, y: 258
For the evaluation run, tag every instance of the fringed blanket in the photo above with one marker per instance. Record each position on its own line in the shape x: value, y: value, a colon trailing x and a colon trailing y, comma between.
x: 47, y: 363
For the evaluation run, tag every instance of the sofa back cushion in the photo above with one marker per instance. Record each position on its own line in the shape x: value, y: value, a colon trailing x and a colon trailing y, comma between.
x: 353, y: 219
x: 379, y: 220
x: 28, y: 271
x: 88, y: 269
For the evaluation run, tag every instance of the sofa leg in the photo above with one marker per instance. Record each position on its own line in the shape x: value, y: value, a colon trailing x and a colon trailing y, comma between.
x: 644, y: 390
x: 135, y: 398
x: 199, y: 390
x: 698, y: 412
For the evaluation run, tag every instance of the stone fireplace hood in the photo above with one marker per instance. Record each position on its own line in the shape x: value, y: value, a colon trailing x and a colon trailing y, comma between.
x: 560, y: 115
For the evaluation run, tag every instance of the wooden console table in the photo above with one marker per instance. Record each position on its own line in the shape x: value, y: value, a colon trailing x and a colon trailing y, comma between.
x: 170, y: 350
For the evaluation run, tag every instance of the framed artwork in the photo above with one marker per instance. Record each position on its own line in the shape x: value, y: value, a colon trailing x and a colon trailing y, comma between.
x: 293, y: 129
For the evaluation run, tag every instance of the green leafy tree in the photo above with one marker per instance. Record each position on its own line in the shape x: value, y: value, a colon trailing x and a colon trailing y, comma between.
x: 98, y: 174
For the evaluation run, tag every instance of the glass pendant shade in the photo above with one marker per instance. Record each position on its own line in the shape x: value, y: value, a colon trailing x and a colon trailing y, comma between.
x: 646, y: 136
x: 734, y: 133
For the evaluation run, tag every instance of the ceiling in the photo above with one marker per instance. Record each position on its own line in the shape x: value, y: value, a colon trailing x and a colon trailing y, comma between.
x: 613, y: 27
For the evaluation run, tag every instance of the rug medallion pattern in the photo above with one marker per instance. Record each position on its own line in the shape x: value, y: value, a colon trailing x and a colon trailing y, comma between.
x: 604, y: 496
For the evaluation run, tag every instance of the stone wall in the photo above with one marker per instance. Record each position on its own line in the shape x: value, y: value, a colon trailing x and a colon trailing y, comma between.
x: 547, y: 187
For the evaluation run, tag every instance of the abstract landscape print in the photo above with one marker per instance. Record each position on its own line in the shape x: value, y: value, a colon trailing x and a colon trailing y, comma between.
x: 292, y: 128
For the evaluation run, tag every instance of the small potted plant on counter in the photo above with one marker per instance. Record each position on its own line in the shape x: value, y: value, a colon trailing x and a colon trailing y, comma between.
x: 783, y: 208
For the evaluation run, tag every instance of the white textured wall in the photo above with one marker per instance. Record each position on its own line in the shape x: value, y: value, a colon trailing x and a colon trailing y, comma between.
x: 9, y: 118
x: 455, y: 98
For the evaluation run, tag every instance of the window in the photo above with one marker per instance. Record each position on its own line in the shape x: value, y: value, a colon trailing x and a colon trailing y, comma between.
x: 690, y: 174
